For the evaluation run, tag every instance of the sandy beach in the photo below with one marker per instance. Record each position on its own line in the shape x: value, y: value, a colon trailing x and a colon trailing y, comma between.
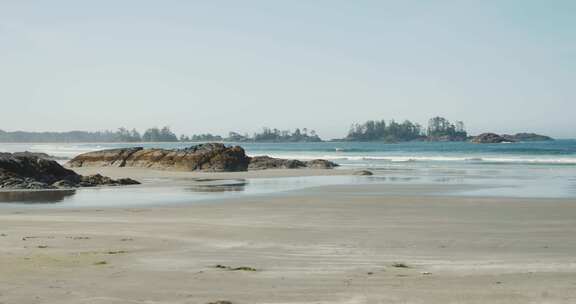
x: 287, y: 152
x: 330, y: 244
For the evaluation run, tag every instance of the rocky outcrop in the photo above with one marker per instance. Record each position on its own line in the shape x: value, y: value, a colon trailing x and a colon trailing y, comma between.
x: 97, y: 180
x: 363, y: 173
x: 266, y: 162
x: 104, y: 158
x: 527, y: 137
x: 320, y: 164
x: 212, y: 157
x: 490, y: 138
x: 27, y: 171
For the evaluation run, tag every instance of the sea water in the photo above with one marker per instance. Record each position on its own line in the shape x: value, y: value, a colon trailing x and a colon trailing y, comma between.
x: 531, y: 169
x: 361, y: 154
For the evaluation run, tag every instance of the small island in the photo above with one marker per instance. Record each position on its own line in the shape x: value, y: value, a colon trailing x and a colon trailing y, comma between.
x: 439, y: 129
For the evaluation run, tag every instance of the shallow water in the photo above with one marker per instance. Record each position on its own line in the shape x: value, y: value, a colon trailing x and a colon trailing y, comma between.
x: 521, y: 182
x: 187, y: 192
x: 543, y: 170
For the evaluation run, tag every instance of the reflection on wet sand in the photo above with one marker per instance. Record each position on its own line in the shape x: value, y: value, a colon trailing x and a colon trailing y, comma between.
x: 36, y: 197
x: 216, y: 185
x: 166, y: 191
x: 572, y: 186
x: 393, y: 178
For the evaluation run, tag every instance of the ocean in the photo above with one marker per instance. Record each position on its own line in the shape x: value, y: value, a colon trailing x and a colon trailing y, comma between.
x: 364, y: 154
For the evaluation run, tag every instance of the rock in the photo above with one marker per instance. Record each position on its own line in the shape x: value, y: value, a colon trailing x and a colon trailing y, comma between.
x: 9, y: 182
x: 28, y: 171
x: 39, y: 169
x: 99, y: 180
x: 320, y: 164
x: 363, y: 173
x: 215, y: 157
x: 64, y: 184
x: 39, y: 155
x: 266, y: 162
x: 126, y: 182
x: 490, y: 138
x: 104, y: 158
x: 527, y: 137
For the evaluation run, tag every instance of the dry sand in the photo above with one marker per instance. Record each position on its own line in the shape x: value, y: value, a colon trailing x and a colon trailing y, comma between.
x: 352, y: 244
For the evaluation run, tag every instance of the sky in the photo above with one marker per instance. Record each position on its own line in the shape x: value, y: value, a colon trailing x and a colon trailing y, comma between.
x: 215, y: 66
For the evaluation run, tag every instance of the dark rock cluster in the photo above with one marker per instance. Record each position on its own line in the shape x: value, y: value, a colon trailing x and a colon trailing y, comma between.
x: 29, y: 171
x: 489, y: 138
x: 214, y: 157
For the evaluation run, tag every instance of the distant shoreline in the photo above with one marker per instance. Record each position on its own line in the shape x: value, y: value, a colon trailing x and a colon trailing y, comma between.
x: 439, y: 129
x: 422, y: 140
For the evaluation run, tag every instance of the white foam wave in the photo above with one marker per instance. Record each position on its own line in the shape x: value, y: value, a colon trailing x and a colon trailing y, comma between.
x: 437, y: 158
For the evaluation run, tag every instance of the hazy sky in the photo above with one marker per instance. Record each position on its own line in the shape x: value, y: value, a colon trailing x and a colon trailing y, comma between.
x: 215, y: 66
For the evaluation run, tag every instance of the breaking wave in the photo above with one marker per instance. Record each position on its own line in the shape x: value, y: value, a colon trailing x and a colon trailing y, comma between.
x: 413, y: 158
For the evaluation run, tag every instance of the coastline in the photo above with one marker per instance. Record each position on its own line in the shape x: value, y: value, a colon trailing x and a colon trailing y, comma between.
x: 293, y: 236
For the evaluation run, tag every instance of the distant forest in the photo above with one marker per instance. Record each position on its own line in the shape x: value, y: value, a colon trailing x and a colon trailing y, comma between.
x: 266, y: 135
x: 438, y: 129
x: 275, y: 135
x: 156, y: 135
x: 121, y: 135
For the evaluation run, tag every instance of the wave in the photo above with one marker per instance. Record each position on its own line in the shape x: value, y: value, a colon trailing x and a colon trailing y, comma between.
x: 413, y: 158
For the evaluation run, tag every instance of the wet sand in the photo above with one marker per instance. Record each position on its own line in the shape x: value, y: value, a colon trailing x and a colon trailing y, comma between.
x: 171, y: 176
x: 336, y: 244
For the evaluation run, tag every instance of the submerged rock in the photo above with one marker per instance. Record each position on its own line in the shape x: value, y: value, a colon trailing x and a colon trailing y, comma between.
x: 28, y: 171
